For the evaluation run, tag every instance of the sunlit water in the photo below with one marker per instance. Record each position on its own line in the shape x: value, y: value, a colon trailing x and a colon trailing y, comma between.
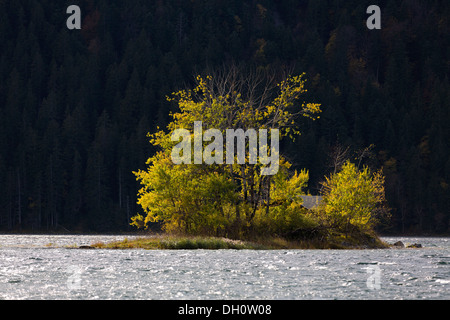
x: 39, y: 267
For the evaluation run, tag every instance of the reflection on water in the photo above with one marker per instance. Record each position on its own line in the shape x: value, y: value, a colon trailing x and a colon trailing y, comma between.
x: 39, y: 267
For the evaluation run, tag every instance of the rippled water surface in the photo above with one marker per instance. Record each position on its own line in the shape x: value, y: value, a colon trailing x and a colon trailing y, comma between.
x: 39, y: 267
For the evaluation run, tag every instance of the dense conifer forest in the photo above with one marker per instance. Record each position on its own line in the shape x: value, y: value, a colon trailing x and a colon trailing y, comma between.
x: 76, y: 105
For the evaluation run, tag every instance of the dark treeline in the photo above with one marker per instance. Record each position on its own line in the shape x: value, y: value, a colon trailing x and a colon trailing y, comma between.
x: 76, y: 105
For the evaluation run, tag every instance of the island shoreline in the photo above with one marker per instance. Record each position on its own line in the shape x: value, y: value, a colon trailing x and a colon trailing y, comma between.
x: 188, y: 242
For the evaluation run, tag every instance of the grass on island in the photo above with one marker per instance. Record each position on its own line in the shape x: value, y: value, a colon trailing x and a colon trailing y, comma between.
x: 158, y: 242
x: 174, y: 242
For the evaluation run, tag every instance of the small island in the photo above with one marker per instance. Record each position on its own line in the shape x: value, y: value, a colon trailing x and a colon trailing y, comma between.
x: 179, y: 242
x: 197, y: 193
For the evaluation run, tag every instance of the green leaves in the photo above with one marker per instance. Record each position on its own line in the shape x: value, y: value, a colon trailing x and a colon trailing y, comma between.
x: 353, y: 197
x: 224, y: 199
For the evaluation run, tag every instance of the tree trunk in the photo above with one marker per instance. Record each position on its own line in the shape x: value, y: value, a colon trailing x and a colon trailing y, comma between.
x: 19, y: 200
x: 268, y: 196
x: 238, y: 212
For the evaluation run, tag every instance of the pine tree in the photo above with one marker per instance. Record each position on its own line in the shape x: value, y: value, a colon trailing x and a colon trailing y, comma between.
x: 73, y: 204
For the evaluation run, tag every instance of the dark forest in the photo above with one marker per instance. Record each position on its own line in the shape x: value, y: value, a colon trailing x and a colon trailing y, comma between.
x: 76, y: 105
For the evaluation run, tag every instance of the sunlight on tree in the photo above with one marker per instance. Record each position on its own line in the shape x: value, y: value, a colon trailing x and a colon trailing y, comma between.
x: 225, y: 199
x: 354, y: 199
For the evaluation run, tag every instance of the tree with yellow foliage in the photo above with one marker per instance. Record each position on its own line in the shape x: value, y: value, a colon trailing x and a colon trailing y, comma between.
x: 354, y: 199
x: 219, y: 198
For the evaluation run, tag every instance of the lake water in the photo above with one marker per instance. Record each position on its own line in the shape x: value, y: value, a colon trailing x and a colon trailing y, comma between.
x: 37, y: 267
